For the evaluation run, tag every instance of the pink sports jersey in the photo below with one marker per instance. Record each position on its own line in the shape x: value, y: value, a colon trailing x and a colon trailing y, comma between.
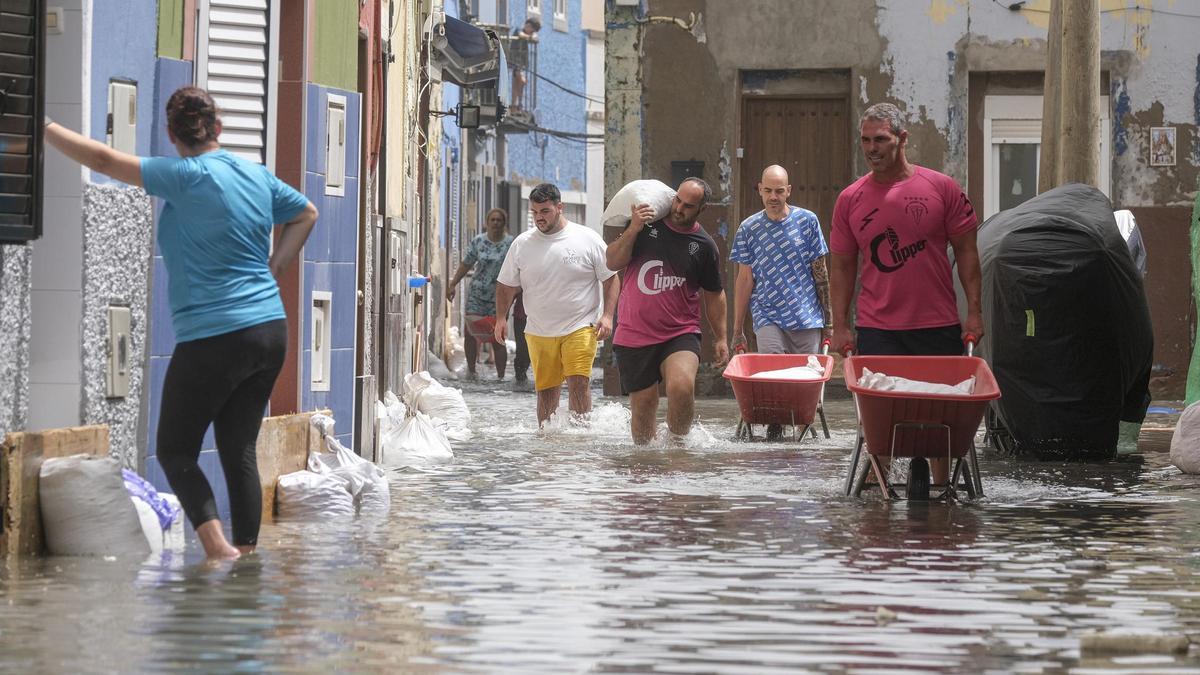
x: 901, y: 229
x: 660, y: 293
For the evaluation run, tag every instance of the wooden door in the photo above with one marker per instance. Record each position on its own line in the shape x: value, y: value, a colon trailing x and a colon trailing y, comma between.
x: 810, y: 137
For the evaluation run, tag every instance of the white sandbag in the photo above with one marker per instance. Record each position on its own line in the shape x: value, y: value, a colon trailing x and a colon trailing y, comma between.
x: 391, y: 413
x: 438, y: 367
x: 173, y: 536
x: 313, y: 497
x: 367, y: 483
x: 151, y: 530
x: 419, y: 443
x: 656, y: 194
x: 882, y: 382
x: 456, y: 359
x: 799, y: 373
x: 1185, y: 442
x: 86, y: 509
x: 812, y: 370
x: 431, y: 397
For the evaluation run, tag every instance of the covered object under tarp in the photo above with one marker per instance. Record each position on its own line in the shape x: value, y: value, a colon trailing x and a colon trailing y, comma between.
x: 1068, y: 332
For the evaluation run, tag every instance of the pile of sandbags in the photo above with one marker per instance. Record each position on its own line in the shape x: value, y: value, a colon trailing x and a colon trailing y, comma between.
x: 409, y: 437
x: 444, y: 405
x: 337, y: 483
x: 91, y: 506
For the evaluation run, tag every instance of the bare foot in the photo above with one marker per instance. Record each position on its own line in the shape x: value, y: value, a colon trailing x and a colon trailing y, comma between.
x: 212, y: 537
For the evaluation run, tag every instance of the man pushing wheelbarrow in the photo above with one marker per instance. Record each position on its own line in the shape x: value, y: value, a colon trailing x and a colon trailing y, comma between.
x: 900, y: 218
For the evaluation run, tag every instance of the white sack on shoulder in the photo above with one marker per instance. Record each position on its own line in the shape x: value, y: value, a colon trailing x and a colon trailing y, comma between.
x: 882, y: 382
x: 656, y: 194
x: 86, y: 509
x: 419, y: 443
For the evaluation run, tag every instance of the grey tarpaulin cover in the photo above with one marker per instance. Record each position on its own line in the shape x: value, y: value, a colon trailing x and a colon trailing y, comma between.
x: 1068, y: 332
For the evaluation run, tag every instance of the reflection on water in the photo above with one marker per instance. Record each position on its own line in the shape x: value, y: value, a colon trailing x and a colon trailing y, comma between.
x: 571, y: 550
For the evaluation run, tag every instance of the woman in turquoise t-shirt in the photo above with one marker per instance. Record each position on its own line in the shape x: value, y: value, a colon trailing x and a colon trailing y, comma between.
x: 486, y: 254
x: 215, y: 237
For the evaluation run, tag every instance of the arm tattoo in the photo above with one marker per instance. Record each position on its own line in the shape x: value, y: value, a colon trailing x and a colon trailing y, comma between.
x: 820, y: 273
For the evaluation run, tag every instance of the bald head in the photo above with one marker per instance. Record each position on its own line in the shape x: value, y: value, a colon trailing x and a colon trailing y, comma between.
x: 776, y: 174
x: 774, y: 190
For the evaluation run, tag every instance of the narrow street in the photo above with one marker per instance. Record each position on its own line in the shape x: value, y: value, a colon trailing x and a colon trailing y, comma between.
x: 573, y: 551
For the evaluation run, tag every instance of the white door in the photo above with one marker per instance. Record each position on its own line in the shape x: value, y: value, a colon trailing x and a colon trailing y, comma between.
x: 237, y: 49
x: 1012, y: 136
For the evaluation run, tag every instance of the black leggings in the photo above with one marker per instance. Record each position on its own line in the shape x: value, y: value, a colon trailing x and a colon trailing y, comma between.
x: 226, y: 381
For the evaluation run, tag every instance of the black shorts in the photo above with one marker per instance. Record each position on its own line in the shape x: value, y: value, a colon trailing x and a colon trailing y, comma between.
x: 942, y: 341
x: 641, y: 367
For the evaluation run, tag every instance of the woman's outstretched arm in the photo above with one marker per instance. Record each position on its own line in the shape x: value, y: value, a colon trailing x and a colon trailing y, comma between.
x: 94, y: 155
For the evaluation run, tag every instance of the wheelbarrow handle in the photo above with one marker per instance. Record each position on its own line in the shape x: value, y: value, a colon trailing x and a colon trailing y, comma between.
x: 825, y: 346
x: 970, y: 340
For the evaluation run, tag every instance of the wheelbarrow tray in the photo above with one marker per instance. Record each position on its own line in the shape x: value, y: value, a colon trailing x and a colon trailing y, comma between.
x: 776, y: 401
x: 915, y: 424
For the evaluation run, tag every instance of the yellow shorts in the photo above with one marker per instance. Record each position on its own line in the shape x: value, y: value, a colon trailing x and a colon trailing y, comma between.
x: 556, y: 358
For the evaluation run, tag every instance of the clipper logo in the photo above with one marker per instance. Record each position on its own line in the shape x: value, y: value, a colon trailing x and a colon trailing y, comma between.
x: 652, y: 281
x: 896, y: 255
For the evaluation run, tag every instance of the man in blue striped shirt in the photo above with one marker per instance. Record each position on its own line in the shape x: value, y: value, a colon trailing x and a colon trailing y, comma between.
x: 782, y: 275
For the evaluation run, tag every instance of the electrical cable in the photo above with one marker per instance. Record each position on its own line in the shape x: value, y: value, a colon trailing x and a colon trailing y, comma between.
x: 1020, y: 7
x: 568, y: 90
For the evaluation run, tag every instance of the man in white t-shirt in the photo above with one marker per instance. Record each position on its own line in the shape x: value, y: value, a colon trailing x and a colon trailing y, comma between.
x: 569, y: 295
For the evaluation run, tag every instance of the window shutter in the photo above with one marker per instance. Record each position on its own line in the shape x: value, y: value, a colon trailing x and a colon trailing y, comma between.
x: 22, y: 90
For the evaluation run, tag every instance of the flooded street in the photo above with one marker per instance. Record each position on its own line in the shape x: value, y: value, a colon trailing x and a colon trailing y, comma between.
x: 573, y: 551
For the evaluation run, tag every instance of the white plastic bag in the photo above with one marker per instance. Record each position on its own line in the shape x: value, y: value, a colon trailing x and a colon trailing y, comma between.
x: 657, y: 194
x: 151, y: 529
x: 86, y: 509
x: 456, y: 360
x: 419, y: 442
x: 883, y: 382
x: 173, y: 535
x: 313, y: 497
x: 438, y: 367
x: 1185, y: 442
x: 367, y: 483
x: 391, y: 413
x: 431, y: 397
x: 812, y: 370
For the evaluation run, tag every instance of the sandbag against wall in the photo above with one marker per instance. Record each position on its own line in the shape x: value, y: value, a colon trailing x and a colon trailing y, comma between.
x: 86, y: 509
x: 1185, y: 442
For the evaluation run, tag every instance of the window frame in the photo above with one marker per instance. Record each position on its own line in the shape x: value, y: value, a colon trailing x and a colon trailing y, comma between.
x: 1017, y: 119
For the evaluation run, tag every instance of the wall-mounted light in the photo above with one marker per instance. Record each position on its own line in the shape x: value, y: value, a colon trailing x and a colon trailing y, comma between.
x: 466, y: 116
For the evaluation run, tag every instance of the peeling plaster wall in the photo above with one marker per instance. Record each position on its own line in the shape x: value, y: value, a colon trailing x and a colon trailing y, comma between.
x: 16, y: 273
x: 675, y: 94
x: 117, y: 239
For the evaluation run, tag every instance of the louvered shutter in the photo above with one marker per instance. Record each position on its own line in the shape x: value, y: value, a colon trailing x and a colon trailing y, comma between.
x: 235, y: 63
x: 22, y: 86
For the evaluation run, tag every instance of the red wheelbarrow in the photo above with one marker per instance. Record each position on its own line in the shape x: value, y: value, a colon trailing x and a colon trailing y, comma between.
x: 777, y: 401
x: 910, y: 424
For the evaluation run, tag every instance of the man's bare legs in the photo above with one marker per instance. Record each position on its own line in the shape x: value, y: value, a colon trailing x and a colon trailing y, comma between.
x: 679, y: 375
x: 579, y: 398
x: 644, y: 408
x: 547, y: 403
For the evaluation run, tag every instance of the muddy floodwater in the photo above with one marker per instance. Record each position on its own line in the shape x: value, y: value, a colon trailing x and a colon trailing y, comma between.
x: 572, y: 551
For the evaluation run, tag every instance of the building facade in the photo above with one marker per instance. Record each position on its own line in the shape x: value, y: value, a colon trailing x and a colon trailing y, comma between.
x: 760, y: 82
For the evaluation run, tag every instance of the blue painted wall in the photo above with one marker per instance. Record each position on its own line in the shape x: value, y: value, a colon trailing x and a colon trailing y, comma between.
x: 331, y: 259
x: 534, y: 157
x: 125, y: 46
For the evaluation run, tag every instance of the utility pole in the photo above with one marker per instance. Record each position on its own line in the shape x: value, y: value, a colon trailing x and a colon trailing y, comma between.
x: 1071, y: 130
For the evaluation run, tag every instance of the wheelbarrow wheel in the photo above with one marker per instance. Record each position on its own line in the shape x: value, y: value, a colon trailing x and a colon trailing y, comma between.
x: 918, y: 479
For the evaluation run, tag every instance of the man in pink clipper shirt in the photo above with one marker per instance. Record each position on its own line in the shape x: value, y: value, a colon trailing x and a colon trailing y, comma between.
x: 900, y: 218
x: 671, y: 267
